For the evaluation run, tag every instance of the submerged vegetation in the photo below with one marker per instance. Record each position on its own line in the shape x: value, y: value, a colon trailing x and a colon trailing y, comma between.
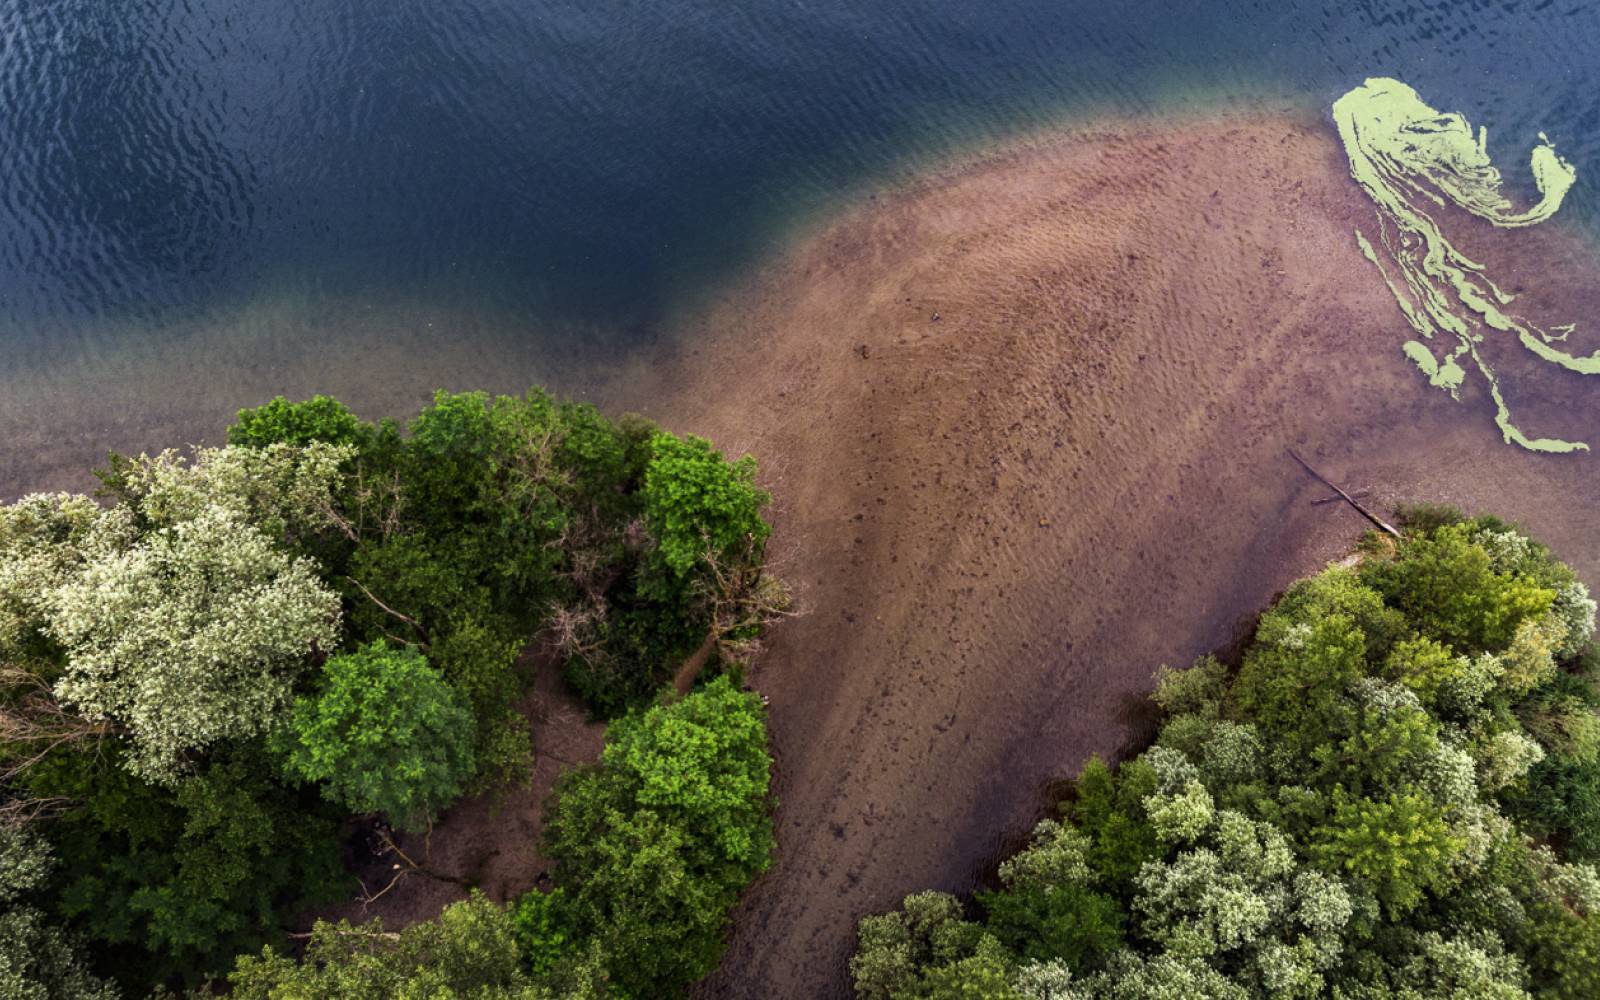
x: 1411, y: 160
x: 210, y: 674
x: 1396, y: 794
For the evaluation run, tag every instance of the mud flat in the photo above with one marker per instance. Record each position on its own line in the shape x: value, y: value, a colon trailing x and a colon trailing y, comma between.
x: 1027, y: 420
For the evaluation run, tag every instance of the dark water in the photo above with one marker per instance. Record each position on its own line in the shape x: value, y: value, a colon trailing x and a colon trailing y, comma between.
x: 545, y: 168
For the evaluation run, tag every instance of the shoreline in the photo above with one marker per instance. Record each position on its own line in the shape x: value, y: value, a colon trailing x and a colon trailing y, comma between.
x: 1025, y: 419
x: 1023, y: 415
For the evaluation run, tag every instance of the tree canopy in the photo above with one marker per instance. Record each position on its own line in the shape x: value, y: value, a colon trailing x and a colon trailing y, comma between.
x: 206, y: 669
x: 384, y: 733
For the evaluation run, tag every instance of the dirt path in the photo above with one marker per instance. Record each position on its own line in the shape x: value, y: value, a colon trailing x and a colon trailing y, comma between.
x: 1027, y: 424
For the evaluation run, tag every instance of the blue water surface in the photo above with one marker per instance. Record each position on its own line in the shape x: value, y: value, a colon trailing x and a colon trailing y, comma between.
x: 578, y: 163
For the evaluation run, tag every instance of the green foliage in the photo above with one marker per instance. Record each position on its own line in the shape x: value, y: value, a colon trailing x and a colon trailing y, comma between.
x: 1351, y: 815
x: 1400, y: 846
x: 1047, y: 910
x: 177, y: 615
x: 699, y: 506
x: 701, y: 763
x: 896, y: 949
x: 1425, y: 666
x: 1110, y: 810
x: 358, y: 596
x: 1564, y: 942
x: 545, y: 937
x: 174, y: 882
x: 38, y: 959
x: 1294, y: 679
x: 320, y: 418
x: 656, y: 842
x: 1425, y: 518
x: 1446, y: 586
x: 1071, y: 923
x: 469, y: 952
x: 192, y: 637
x: 1199, y: 690
x: 384, y: 733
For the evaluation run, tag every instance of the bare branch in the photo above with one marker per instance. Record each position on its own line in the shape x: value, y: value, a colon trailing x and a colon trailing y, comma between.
x: 405, y: 618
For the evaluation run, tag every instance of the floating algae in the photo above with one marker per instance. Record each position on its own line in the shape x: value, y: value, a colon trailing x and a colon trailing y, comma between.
x: 1407, y: 156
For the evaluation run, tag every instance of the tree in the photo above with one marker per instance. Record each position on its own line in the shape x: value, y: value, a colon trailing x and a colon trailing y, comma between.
x: 1047, y: 910
x: 1110, y: 809
x: 288, y: 492
x: 1400, y: 846
x: 385, y: 733
x: 320, y: 418
x: 702, y: 762
x: 1222, y: 895
x: 654, y: 844
x: 1295, y: 678
x: 700, y: 507
x: 894, y: 948
x: 1351, y: 815
x: 173, y: 882
x: 1446, y: 586
x: 192, y: 636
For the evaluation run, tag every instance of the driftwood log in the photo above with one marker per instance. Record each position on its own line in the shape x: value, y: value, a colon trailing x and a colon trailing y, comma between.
x: 1381, y: 524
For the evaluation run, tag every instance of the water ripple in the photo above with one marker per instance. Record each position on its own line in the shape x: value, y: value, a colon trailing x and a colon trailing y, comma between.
x: 163, y: 158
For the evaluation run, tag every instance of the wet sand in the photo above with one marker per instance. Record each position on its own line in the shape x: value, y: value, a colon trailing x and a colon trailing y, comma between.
x: 1026, y: 425
x: 1025, y: 422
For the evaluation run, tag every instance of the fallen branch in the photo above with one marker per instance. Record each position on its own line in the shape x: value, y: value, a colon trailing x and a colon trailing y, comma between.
x: 1382, y: 525
x: 1358, y: 494
x: 405, y: 618
x: 409, y: 867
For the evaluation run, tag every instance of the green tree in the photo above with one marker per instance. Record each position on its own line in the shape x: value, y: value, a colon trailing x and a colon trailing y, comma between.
x: 470, y: 953
x: 700, y: 506
x: 172, y: 882
x: 320, y: 418
x: 655, y: 843
x: 1351, y: 815
x: 1296, y: 677
x: 894, y: 949
x: 1110, y: 809
x: 1400, y: 846
x: 1446, y: 586
x: 384, y: 733
x: 701, y: 762
x: 1047, y: 910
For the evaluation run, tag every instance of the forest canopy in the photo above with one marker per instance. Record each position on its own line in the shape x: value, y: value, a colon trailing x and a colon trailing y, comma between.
x: 231, y: 661
x: 1394, y: 794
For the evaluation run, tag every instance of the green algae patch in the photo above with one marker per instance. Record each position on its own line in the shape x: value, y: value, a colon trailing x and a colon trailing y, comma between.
x: 1411, y: 159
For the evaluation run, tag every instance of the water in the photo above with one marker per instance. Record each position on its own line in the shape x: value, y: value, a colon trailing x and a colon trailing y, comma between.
x: 238, y: 184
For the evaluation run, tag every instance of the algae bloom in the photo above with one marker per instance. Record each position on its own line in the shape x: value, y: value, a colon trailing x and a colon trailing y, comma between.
x: 1410, y: 158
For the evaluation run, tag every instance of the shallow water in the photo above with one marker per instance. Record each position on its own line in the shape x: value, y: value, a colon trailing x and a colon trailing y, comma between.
x: 373, y: 196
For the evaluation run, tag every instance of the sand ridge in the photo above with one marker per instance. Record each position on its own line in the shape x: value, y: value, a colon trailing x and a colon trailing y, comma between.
x: 1026, y: 422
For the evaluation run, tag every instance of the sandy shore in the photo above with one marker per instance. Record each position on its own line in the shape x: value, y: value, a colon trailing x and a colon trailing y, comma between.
x: 1026, y: 421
